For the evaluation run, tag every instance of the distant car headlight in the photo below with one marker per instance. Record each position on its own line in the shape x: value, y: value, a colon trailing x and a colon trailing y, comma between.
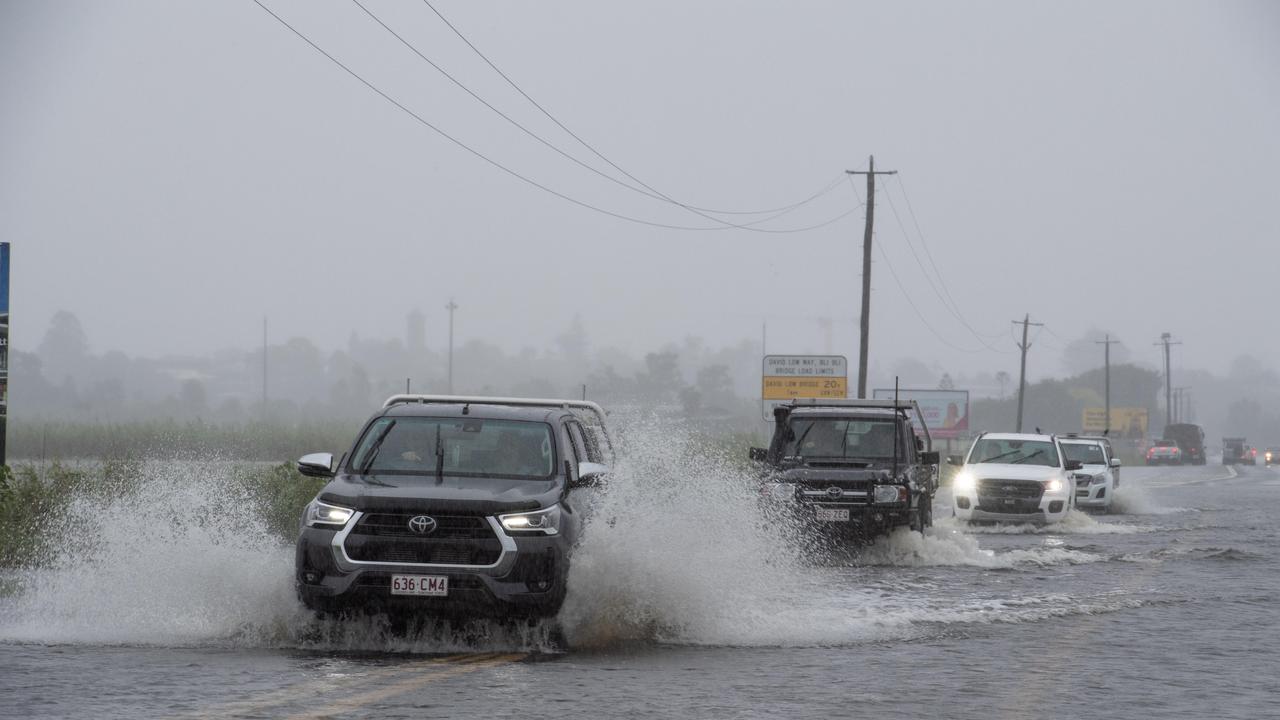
x: 546, y: 522
x: 964, y: 483
x: 890, y: 494
x: 326, y: 515
x: 1053, y: 486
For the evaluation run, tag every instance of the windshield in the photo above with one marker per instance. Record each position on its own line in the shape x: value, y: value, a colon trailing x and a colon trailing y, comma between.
x: 1084, y: 453
x: 1016, y: 452
x: 456, y: 446
x: 844, y: 438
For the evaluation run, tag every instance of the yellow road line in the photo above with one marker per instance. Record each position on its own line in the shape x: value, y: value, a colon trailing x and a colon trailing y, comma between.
x: 354, y: 702
x: 310, y: 688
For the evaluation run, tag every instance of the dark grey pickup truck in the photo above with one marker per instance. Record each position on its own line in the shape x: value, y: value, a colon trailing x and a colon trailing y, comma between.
x: 851, y: 469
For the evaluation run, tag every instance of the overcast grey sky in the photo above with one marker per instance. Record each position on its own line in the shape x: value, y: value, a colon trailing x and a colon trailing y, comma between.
x: 174, y: 171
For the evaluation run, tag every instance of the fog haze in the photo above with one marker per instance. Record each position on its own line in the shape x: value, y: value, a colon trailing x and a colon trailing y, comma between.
x: 175, y: 172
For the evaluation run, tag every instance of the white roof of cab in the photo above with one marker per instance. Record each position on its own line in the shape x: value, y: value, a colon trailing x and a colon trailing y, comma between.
x: 1018, y: 436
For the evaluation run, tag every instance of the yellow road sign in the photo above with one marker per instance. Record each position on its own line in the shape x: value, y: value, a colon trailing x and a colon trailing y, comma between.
x: 787, y: 388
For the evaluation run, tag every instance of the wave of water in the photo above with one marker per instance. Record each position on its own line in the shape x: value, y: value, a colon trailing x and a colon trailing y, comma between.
x: 679, y: 550
x: 1076, y: 522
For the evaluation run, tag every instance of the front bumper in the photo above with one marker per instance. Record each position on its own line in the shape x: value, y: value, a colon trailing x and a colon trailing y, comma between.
x: 1050, y: 508
x: 528, y: 578
x: 1094, y: 495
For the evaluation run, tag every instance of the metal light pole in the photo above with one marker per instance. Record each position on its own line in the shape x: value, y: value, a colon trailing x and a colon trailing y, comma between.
x: 451, y: 307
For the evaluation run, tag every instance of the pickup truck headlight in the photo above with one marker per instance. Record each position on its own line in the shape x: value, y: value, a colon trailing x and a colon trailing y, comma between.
x: 885, y: 494
x: 546, y: 522
x: 322, y: 514
x: 963, y: 483
x: 1053, y: 485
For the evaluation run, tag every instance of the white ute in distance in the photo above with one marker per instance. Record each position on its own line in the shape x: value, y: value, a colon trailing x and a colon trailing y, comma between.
x: 1014, y: 478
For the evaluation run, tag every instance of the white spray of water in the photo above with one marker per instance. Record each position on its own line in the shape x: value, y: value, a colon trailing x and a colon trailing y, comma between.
x: 679, y: 550
x: 181, y: 558
x: 1076, y: 522
x: 682, y: 551
x: 1133, y: 498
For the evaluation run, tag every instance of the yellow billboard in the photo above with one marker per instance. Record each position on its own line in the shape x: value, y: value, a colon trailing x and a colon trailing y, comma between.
x: 1126, y: 422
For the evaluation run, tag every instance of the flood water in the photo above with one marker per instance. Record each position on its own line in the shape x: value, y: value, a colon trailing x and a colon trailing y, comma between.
x: 693, y: 608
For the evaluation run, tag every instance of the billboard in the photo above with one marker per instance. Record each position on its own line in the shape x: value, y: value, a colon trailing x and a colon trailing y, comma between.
x: 787, y: 377
x: 1126, y: 422
x: 946, y: 412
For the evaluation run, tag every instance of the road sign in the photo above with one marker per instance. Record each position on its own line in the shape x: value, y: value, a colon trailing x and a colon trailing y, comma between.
x: 946, y: 412
x: 1126, y: 422
x: 787, y: 377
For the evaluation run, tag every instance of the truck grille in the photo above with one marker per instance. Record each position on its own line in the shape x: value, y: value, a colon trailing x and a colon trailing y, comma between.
x: 1009, y: 496
x: 456, y: 540
x: 467, y: 527
x: 819, y: 493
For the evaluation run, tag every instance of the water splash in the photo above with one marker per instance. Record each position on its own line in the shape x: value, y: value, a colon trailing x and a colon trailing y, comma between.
x: 679, y: 550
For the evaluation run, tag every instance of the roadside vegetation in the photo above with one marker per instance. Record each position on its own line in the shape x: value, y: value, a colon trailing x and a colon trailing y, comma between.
x: 161, y: 439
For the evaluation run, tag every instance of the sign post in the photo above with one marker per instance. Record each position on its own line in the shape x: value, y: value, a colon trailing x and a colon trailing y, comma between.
x: 788, y: 377
x: 4, y: 349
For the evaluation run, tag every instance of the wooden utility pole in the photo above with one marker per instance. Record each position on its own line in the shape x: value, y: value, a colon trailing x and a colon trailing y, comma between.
x: 871, y: 173
x: 1166, y: 339
x: 1025, y: 322
x: 1106, y: 359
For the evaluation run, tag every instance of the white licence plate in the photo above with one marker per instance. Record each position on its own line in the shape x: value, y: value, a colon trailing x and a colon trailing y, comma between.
x: 831, y: 514
x: 434, y: 585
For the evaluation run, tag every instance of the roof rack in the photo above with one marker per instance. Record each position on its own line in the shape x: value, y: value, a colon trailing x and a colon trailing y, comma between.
x: 904, y: 406
x: 587, y: 405
x: 854, y: 403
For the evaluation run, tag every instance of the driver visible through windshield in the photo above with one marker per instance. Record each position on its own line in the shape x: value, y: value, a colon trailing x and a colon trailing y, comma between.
x: 1014, y: 452
x: 1084, y: 453
x: 456, y: 446
x: 843, y: 438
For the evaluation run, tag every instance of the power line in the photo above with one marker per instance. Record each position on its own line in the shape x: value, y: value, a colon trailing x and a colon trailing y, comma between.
x: 649, y: 193
x: 906, y: 295
x: 597, y: 153
x: 504, y: 168
x: 948, y: 306
x: 902, y: 187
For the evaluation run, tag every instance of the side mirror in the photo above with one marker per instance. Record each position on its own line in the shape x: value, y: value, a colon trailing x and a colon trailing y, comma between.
x: 756, y: 454
x: 316, y: 465
x: 1072, y: 465
x: 930, y: 458
x: 590, y: 474
x: 956, y: 460
x: 1115, y: 462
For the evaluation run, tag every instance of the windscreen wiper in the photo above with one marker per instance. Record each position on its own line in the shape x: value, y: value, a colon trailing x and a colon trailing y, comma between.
x: 800, y: 440
x: 1002, y: 455
x: 377, y: 445
x: 1027, y: 457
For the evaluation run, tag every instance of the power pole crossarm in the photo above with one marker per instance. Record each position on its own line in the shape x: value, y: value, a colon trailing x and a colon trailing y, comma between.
x: 871, y: 174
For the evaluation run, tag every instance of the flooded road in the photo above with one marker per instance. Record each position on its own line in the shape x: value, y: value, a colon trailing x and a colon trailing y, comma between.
x: 1165, y: 608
